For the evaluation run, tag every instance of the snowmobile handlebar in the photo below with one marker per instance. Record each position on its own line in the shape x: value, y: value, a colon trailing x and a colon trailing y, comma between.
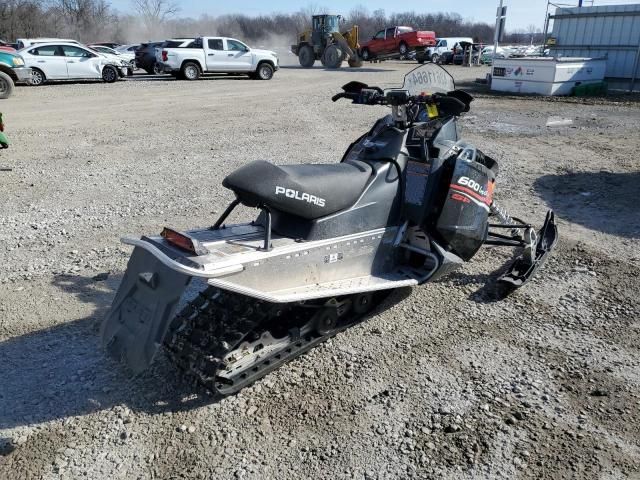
x: 447, y: 103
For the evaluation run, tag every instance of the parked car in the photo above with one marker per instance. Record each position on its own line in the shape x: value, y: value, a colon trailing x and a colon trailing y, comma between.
x: 443, y: 46
x: 486, y: 56
x: 108, y: 44
x: 219, y: 54
x: 128, y: 48
x: 400, y: 40
x: 27, y: 42
x: 6, y: 47
x: 128, y: 57
x: 146, y: 57
x: 12, y: 71
x: 69, y: 61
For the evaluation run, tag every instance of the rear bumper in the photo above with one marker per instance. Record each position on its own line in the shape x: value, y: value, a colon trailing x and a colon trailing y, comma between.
x: 23, y: 74
x: 168, y: 68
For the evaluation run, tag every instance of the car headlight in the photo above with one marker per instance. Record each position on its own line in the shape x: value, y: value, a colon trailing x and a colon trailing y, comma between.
x: 18, y: 62
x: 124, y: 63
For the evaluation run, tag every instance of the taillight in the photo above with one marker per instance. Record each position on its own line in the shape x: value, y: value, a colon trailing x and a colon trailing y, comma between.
x: 164, y: 56
x: 183, y: 241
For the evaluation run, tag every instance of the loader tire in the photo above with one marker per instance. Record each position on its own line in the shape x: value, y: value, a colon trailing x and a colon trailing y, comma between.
x: 333, y: 56
x: 6, y: 85
x: 306, y: 56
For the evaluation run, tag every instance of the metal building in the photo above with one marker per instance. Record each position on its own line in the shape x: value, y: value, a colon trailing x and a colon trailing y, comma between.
x: 611, y: 31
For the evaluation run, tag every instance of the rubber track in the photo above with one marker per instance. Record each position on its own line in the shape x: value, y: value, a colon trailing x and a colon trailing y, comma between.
x: 215, y: 323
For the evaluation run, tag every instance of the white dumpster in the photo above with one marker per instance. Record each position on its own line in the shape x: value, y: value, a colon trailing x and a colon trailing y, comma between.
x: 545, y: 75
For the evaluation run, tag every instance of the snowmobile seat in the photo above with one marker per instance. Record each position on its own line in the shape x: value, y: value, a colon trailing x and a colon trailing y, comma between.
x: 306, y: 191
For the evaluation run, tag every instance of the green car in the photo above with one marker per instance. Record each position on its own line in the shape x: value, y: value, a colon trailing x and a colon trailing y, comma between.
x: 12, y: 70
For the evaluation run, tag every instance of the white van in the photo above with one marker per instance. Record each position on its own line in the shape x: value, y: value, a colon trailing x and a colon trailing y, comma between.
x: 27, y: 42
x: 443, y: 45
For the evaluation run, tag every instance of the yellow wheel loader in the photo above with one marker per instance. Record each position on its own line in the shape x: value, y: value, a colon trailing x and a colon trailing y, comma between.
x: 326, y: 43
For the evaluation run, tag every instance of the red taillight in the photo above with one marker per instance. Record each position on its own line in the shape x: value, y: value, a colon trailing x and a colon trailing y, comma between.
x: 183, y: 241
x: 164, y: 56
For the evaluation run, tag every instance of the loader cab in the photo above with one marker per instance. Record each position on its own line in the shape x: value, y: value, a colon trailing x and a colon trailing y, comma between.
x: 324, y: 26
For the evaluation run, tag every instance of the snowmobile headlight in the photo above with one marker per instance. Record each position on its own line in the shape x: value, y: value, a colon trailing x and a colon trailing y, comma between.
x: 18, y: 62
x: 183, y: 241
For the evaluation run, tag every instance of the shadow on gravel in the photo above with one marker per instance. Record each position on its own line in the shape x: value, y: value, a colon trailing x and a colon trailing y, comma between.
x: 169, y: 78
x: 63, y: 371
x: 602, y: 201
x: 340, y: 70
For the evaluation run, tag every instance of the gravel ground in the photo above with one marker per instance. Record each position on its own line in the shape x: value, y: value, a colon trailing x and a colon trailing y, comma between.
x: 442, y: 382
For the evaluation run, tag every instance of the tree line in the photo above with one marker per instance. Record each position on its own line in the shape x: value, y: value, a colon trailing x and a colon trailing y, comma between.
x: 97, y: 20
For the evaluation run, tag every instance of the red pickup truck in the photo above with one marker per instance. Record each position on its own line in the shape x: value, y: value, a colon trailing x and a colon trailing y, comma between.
x: 400, y: 40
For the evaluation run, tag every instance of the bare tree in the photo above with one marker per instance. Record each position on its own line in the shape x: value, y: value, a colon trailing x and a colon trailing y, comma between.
x: 155, y: 13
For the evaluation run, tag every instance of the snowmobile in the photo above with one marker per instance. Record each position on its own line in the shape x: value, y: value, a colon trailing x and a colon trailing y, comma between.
x: 408, y: 203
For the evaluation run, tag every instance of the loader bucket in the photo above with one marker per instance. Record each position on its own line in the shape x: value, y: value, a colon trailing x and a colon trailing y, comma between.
x: 142, y: 310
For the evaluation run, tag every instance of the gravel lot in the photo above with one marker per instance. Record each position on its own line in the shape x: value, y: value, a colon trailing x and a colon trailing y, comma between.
x: 445, y: 382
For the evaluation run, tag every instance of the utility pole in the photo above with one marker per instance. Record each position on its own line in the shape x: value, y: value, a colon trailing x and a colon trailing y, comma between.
x: 500, y: 20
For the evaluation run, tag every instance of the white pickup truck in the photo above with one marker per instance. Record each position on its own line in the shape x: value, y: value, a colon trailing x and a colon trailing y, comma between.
x: 218, y: 55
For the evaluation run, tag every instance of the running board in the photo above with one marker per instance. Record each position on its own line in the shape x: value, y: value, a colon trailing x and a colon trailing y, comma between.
x: 402, y: 277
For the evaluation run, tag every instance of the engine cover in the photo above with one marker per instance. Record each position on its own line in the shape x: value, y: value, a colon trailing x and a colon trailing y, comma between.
x: 464, y: 219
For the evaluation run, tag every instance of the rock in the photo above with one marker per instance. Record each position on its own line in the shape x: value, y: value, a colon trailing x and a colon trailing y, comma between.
x: 452, y: 428
x: 598, y: 392
x: 101, y: 277
x: 191, y: 429
x: 510, y: 420
x: 182, y: 428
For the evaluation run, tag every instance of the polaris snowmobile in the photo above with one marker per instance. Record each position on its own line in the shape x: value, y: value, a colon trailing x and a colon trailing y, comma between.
x: 408, y: 203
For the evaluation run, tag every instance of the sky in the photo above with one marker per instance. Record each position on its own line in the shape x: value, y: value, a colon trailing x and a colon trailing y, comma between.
x: 520, y: 13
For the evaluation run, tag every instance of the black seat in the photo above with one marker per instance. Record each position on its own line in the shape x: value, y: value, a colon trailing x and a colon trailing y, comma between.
x: 307, y: 191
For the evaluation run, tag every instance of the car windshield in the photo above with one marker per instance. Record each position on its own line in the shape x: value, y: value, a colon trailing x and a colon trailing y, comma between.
x: 428, y: 78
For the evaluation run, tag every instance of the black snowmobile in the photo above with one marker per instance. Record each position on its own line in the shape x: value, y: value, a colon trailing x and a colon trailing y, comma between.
x: 408, y: 203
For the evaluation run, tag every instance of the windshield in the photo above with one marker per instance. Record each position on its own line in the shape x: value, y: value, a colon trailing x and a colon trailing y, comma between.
x: 428, y: 78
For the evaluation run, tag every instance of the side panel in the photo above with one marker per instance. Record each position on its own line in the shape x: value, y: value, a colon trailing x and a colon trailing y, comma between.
x: 142, y: 310
x: 463, y: 221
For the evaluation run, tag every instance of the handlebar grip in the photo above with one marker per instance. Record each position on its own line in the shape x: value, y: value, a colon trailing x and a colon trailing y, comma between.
x: 349, y: 95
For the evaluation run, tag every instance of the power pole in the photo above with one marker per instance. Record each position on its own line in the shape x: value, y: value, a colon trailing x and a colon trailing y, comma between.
x: 500, y: 21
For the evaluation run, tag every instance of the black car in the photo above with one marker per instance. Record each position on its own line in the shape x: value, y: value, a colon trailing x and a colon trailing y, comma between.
x: 108, y: 44
x: 146, y: 57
